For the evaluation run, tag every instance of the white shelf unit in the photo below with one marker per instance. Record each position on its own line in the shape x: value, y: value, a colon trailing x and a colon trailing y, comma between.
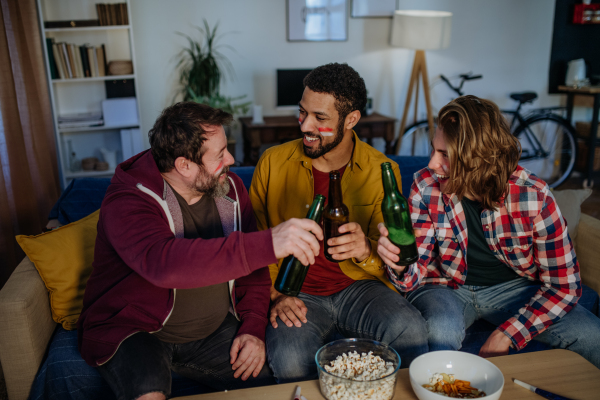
x: 80, y: 95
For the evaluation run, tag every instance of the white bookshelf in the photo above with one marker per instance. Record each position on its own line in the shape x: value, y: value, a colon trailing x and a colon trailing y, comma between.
x: 80, y: 95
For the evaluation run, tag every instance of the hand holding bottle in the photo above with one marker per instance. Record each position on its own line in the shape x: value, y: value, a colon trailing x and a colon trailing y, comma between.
x: 388, y: 252
x: 351, y: 244
x: 294, y: 237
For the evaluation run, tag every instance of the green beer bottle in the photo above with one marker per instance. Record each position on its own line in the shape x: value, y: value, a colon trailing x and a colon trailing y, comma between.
x: 396, y: 216
x: 292, y: 272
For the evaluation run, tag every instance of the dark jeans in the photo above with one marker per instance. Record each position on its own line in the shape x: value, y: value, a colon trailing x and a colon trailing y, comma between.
x: 449, y: 312
x: 143, y: 364
x: 366, y: 309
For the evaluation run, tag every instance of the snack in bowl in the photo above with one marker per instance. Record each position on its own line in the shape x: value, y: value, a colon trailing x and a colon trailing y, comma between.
x: 447, y: 385
x: 357, y: 369
x: 475, y: 371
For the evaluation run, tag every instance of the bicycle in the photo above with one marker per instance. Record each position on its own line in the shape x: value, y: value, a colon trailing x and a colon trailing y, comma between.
x: 547, y: 138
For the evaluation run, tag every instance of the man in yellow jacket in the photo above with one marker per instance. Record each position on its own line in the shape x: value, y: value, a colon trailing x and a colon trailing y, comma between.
x: 352, y: 297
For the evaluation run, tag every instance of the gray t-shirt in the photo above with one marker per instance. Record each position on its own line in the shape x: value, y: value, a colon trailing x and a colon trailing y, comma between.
x: 197, y: 312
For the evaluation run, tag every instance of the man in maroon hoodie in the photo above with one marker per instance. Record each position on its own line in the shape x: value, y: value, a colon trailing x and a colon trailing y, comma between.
x: 180, y: 279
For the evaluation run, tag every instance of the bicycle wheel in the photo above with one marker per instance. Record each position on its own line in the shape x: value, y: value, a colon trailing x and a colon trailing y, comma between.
x: 549, y: 148
x: 416, y: 140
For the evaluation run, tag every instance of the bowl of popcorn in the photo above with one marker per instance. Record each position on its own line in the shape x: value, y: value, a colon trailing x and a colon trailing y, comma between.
x: 357, y: 369
x: 455, y: 374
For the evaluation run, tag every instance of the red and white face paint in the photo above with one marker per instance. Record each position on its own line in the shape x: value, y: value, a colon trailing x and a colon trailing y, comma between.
x: 326, y: 131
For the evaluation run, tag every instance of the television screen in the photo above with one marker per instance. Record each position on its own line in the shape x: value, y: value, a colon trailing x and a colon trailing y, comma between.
x: 289, y: 86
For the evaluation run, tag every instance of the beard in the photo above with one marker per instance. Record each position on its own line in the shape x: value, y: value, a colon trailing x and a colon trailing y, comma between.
x: 321, y: 150
x: 207, y: 184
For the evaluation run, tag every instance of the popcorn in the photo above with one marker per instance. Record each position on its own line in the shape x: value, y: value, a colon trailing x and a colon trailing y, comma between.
x: 370, y: 378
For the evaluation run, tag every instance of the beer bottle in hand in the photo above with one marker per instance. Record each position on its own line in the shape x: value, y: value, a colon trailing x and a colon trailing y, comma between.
x: 396, y: 216
x: 292, y: 272
x: 336, y: 213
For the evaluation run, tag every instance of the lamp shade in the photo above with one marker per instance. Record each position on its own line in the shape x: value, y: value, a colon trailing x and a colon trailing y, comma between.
x: 421, y: 30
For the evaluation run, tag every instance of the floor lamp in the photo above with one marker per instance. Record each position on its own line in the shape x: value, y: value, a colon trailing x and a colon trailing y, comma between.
x: 419, y: 30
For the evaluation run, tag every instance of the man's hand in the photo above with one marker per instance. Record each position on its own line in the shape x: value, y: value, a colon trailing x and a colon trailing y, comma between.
x: 294, y: 237
x: 290, y: 310
x: 352, y: 244
x: 387, y: 250
x: 247, y: 355
x: 496, y: 345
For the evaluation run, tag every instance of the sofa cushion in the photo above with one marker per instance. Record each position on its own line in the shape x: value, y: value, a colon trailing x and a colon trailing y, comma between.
x: 569, y: 203
x: 82, y: 197
x: 63, y: 258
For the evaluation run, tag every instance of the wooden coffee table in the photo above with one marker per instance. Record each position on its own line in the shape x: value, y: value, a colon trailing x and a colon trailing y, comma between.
x: 559, y: 371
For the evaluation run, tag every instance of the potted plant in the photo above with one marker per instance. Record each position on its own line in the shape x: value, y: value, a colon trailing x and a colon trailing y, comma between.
x: 203, y: 67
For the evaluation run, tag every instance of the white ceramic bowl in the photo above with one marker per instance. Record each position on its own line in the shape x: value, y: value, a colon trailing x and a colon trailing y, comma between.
x: 482, y: 374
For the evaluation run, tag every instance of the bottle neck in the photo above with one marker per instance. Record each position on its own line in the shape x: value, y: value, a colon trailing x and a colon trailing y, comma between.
x: 390, y: 187
x: 316, y: 209
x: 335, y: 192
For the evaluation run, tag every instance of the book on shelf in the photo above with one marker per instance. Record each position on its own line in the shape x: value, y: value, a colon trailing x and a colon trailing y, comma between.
x: 101, y: 63
x: 71, y: 23
x: 65, y: 58
x: 112, y: 14
x: 80, y: 120
x: 58, y: 60
x: 51, y: 62
x: 84, y: 61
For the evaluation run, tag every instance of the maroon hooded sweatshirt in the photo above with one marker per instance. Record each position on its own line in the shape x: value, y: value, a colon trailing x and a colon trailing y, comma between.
x: 141, y: 258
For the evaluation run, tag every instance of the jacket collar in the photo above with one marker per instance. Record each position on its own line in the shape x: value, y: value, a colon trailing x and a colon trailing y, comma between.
x: 359, y: 157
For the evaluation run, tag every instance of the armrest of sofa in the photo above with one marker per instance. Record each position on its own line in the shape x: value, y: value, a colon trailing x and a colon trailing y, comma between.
x: 26, y: 327
x: 588, y: 251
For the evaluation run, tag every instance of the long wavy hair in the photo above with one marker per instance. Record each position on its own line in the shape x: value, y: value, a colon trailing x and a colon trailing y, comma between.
x: 483, y: 152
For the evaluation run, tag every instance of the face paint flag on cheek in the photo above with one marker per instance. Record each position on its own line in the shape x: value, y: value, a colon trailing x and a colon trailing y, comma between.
x: 218, y: 168
x: 326, y: 131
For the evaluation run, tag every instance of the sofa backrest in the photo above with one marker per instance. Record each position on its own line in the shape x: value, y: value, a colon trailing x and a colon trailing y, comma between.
x: 83, y: 196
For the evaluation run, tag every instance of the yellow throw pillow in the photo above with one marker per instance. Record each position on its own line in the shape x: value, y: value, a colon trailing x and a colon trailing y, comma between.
x: 63, y: 258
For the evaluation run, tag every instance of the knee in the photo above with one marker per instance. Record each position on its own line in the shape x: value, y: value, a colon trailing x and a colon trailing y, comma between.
x: 291, y: 367
x: 445, y: 332
x: 289, y: 358
x: 153, y: 396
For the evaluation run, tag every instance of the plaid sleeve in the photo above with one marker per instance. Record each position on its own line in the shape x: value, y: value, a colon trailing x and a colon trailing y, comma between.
x: 558, y: 271
x: 421, y: 220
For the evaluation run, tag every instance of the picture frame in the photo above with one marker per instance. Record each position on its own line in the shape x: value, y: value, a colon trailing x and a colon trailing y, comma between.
x: 374, y: 8
x: 317, y: 20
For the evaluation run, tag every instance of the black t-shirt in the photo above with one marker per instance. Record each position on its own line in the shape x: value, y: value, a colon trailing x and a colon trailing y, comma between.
x: 483, y: 268
x: 197, y: 312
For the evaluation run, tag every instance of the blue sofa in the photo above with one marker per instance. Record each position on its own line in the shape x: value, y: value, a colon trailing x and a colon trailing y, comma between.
x: 64, y: 373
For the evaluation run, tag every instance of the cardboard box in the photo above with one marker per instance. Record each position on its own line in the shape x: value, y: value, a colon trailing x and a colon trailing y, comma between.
x: 120, y: 112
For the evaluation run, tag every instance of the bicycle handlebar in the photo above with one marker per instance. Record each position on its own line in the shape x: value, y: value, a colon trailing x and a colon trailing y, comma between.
x: 464, y: 77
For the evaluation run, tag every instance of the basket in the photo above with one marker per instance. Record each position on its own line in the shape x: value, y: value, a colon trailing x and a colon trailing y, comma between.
x: 584, y: 128
x: 582, y: 157
x: 89, y: 163
x: 120, y: 67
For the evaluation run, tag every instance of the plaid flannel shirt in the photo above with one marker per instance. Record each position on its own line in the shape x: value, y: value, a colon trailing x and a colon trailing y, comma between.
x: 527, y: 233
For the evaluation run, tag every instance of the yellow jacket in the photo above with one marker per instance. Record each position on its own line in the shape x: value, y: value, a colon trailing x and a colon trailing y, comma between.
x: 282, y: 188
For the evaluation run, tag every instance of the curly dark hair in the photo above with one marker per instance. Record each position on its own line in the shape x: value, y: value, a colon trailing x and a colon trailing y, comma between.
x: 178, y: 132
x: 342, y: 82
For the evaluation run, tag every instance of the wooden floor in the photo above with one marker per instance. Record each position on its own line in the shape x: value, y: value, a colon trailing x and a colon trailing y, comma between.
x: 592, y: 205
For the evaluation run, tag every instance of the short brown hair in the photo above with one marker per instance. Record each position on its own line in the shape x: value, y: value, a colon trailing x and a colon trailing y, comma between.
x: 483, y: 152
x: 178, y: 132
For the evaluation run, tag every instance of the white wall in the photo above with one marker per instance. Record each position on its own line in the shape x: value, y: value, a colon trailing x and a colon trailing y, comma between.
x: 508, y: 41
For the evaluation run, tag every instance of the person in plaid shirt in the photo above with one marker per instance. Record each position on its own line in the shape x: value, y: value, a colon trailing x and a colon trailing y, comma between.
x: 492, y: 243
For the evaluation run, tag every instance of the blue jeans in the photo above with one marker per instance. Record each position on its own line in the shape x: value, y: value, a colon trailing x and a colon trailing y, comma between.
x: 365, y: 309
x: 449, y: 312
x: 143, y: 364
